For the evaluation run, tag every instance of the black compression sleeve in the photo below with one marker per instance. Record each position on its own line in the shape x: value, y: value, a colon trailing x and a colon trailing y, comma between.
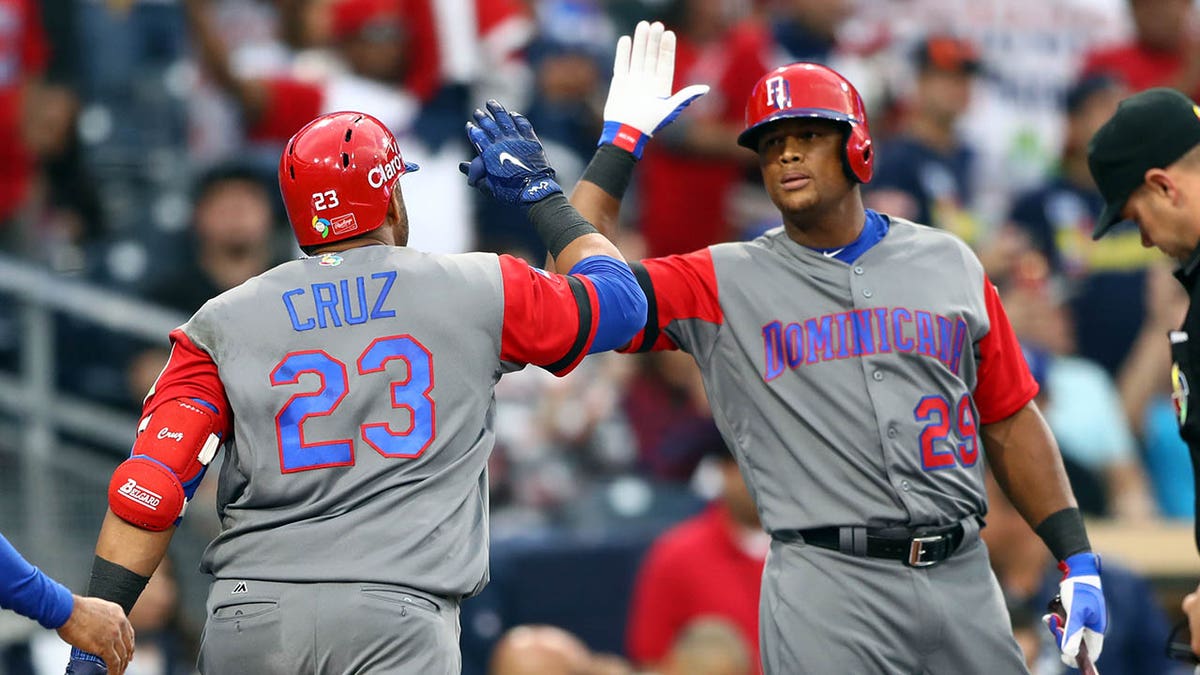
x: 611, y: 168
x: 115, y: 583
x: 1064, y: 533
x: 558, y: 223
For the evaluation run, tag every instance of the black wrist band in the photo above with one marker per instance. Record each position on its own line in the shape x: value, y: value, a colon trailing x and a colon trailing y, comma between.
x: 558, y: 223
x: 1064, y: 533
x: 115, y: 583
x: 611, y: 169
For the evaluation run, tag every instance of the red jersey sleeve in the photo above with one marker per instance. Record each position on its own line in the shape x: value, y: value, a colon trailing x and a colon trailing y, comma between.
x: 1004, y: 384
x: 549, y: 319
x: 655, y: 610
x: 290, y: 105
x: 190, y: 374
x: 677, y: 287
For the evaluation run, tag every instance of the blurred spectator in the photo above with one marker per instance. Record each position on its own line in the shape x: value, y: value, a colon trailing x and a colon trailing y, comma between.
x: 376, y: 45
x: 1145, y: 386
x: 1031, y: 50
x: 668, y: 411
x: 548, y: 650
x: 723, y: 548
x: 1077, y: 397
x: 709, y: 646
x: 23, y: 55
x: 688, y: 175
x: 1164, y: 51
x: 569, y: 57
x: 556, y: 440
x: 924, y: 172
x: 1026, y: 571
x: 806, y: 30
x: 233, y: 221
x: 1106, y: 276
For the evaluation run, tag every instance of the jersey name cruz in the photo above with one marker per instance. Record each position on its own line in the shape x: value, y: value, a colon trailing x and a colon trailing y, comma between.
x: 878, y: 330
x: 348, y: 301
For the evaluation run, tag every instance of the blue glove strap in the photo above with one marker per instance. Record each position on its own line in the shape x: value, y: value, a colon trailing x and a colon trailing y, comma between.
x: 1082, y: 564
x: 625, y: 137
x: 78, y: 654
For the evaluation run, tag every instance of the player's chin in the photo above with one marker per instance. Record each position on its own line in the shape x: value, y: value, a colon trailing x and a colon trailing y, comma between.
x: 795, y: 201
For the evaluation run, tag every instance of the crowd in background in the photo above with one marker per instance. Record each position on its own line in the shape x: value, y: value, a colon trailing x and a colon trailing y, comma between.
x: 139, y: 141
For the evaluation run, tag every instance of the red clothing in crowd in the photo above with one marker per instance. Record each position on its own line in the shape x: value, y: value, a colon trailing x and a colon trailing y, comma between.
x: 501, y: 27
x: 1140, y: 67
x: 23, y: 54
x: 685, y: 197
x: 694, y: 569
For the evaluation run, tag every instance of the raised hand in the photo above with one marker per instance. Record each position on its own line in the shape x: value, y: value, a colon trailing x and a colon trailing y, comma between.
x: 640, y: 101
x: 511, y: 165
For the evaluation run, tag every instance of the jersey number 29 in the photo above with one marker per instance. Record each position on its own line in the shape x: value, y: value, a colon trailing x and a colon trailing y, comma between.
x: 412, y: 394
x: 941, y: 418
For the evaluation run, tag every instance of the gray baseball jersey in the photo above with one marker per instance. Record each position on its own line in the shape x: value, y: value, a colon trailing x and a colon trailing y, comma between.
x: 851, y: 394
x: 356, y: 391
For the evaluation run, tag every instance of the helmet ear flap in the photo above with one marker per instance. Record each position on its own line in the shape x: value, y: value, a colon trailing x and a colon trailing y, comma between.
x: 860, y: 154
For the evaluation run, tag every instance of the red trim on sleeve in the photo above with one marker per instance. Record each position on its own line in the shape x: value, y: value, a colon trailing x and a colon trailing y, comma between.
x: 682, y: 287
x: 1004, y: 384
x: 190, y: 373
x: 542, y: 316
x: 290, y: 105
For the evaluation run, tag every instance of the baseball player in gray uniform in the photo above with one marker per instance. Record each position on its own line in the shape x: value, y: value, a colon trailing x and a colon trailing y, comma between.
x: 352, y: 393
x: 859, y: 366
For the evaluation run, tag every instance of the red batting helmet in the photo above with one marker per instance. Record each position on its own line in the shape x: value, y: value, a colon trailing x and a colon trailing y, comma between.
x: 811, y: 90
x: 337, y: 175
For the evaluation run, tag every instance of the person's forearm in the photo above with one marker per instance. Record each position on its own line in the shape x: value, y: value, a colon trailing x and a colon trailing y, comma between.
x: 137, y: 550
x: 1026, y: 462
x: 599, y: 192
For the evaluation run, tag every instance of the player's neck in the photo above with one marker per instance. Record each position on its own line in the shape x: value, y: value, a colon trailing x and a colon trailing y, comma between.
x: 838, y: 225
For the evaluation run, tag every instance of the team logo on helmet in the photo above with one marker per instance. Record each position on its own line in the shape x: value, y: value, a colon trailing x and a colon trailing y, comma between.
x: 1179, y: 393
x: 321, y: 226
x: 779, y: 93
x: 382, y: 173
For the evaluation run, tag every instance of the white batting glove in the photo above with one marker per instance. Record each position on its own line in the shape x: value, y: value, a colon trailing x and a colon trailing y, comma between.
x: 1084, y: 616
x: 640, y: 101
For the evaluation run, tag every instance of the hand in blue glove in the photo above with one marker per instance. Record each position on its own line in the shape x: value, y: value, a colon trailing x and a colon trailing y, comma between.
x: 1086, y: 617
x: 83, y: 663
x: 511, y: 165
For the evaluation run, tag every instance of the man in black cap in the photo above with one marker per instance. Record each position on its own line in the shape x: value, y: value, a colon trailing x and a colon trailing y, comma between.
x: 1146, y: 162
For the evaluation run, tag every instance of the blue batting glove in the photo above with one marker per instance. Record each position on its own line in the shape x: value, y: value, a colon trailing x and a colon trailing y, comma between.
x: 83, y: 663
x: 1086, y: 617
x: 511, y: 165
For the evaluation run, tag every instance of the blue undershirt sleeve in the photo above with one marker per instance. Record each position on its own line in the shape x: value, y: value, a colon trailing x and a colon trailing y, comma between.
x: 29, y: 592
x: 621, y: 301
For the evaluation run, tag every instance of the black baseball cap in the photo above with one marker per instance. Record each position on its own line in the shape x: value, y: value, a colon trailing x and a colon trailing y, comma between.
x: 1150, y: 130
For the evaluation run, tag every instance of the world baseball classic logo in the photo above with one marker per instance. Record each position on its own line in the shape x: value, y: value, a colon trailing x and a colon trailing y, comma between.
x: 779, y: 93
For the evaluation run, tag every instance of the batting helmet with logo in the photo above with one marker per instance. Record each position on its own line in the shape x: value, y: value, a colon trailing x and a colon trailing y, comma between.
x: 337, y: 175
x: 812, y: 90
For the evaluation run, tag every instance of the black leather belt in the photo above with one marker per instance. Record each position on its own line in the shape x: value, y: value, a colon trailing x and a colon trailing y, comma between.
x: 920, y: 547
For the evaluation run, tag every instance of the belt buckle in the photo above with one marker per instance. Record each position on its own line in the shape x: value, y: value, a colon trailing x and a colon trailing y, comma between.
x: 916, y: 550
